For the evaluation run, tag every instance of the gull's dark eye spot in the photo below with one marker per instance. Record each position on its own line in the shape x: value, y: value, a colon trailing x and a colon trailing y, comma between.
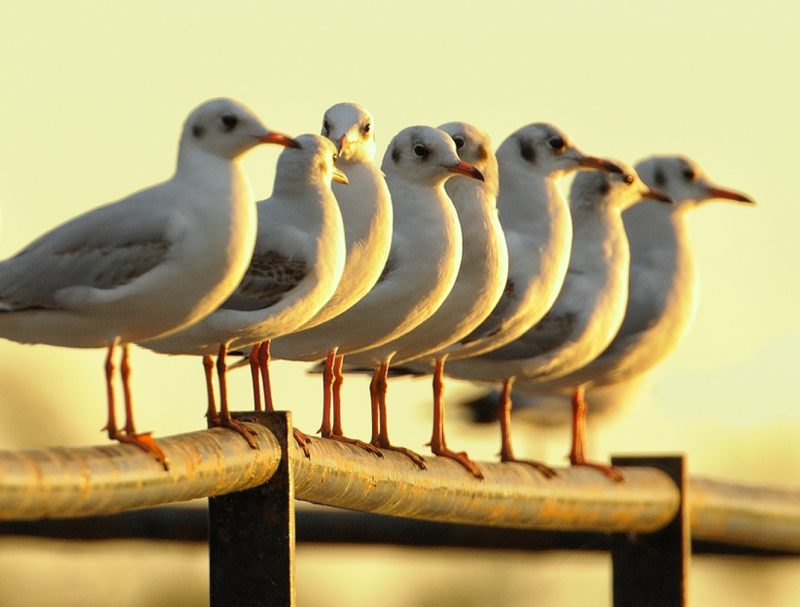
x: 688, y: 174
x: 326, y: 128
x: 421, y: 151
x: 366, y: 128
x: 557, y: 143
x: 629, y: 179
x: 459, y: 141
x: 660, y: 178
x: 605, y: 187
x: 526, y: 150
x: 482, y: 153
x: 198, y: 131
x: 229, y: 122
x: 396, y: 155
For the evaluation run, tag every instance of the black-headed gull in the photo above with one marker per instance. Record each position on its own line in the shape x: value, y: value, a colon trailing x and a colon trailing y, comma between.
x: 423, y: 261
x: 480, y: 282
x: 295, y: 268
x: 590, y: 306
x: 662, y: 289
x: 146, y: 265
x: 536, y: 222
x: 366, y: 210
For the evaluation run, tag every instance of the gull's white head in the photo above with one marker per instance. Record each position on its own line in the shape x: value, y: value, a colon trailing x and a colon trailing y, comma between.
x: 227, y: 129
x: 350, y: 127
x: 426, y: 156
x: 684, y: 181
x: 311, y: 164
x: 547, y: 150
x: 599, y: 189
x: 475, y: 147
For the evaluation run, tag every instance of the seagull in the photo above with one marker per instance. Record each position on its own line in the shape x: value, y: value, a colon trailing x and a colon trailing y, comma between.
x: 149, y: 264
x: 366, y: 210
x: 423, y: 260
x: 295, y: 268
x: 480, y: 282
x: 662, y: 290
x: 536, y: 222
x: 590, y: 306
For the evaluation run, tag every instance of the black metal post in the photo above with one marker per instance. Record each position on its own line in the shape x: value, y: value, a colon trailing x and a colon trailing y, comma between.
x: 252, y: 534
x: 651, y: 568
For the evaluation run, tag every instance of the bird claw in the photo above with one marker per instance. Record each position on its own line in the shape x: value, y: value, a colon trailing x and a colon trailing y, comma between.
x: 146, y: 443
x: 543, y: 469
x: 243, y: 430
x: 462, y: 458
x: 413, y: 456
x: 615, y: 474
x: 368, y: 447
x: 302, y: 440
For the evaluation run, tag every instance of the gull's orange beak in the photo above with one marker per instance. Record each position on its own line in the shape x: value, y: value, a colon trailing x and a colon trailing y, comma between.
x: 465, y: 168
x: 280, y: 139
x: 715, y: 192
x: 657, y: 195
x: 601, y: 164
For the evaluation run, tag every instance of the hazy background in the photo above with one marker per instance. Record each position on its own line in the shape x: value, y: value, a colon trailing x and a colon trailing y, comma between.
x: 93, y: 97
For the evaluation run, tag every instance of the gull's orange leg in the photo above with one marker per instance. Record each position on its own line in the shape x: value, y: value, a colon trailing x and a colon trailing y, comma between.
x: 129, y: 436
x: 336, y: 432
x: 438, y: 442
x: 224, y: 419
x: 383, y: 436
x: 576, y: 455
x: 253, y: 360
x: 506, y: 451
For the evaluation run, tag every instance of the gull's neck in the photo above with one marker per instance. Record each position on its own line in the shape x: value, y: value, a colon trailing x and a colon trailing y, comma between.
x: 530, y: 202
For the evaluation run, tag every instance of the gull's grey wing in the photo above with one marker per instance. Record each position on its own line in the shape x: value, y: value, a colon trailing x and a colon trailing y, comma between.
x: 268, y: 279
x: 547, y: 335
x: 103, y: 249
x: 493, y: 323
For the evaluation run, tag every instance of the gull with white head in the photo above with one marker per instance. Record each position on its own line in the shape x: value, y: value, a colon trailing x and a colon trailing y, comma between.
x: 663, y: 286
x: 591, y: 304
x: 147, y: 265
x: 479, y: 284
x: 423, y: 260
x: 366, y: 210
x: 536, y: 222
x: 295, y: 268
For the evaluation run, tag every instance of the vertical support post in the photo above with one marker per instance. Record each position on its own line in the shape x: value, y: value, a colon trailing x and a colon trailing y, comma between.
x: 252, y: 533
x: 650, y: 568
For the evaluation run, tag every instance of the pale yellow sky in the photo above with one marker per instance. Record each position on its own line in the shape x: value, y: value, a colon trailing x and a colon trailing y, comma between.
x: 94, y: 93
x: 94, y: 97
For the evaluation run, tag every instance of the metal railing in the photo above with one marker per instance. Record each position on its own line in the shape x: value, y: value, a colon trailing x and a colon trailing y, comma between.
x: 258, y: 486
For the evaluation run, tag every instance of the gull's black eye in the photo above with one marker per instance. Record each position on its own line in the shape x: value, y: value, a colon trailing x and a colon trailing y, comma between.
x: 459, y: 141
x: 688, y: 174
x: 326, y: 128
x: 557, y: 143
x: 629, y: 179
x: 421, y: 151
x: 366, y: 128
x: 229, y: 122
